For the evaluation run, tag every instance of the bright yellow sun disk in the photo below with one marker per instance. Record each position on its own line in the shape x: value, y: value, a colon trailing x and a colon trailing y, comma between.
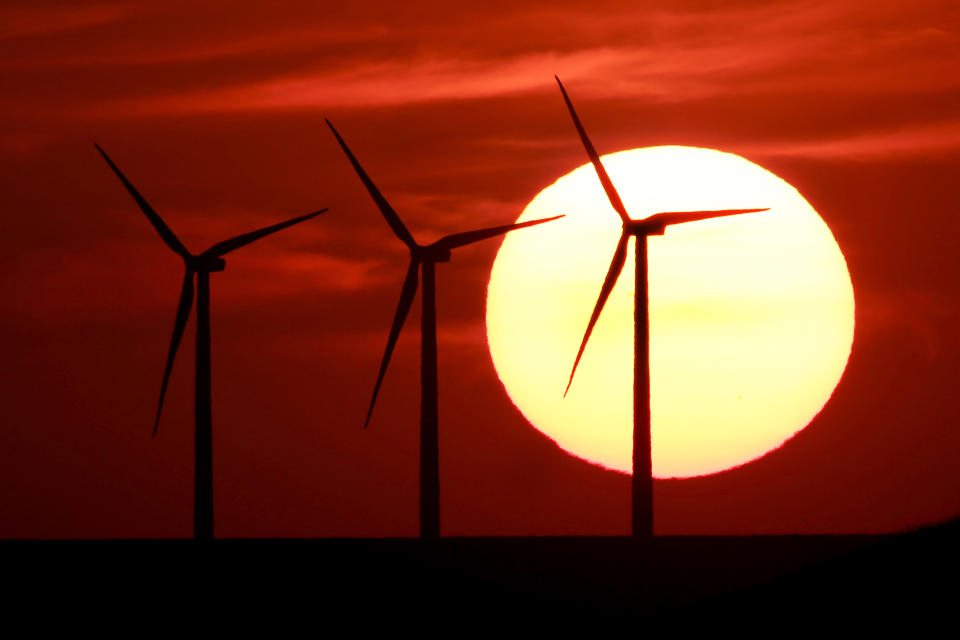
x: 751, y: 316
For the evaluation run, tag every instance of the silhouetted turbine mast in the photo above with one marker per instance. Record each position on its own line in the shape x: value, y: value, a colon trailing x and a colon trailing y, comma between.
x: 423, y: 258
x: 642, y: 479
x: 198, y: 266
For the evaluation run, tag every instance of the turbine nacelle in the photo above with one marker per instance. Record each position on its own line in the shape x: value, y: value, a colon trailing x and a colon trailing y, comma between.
x: 431, y: 253
x: 642, y: 228
x: 205, y: 263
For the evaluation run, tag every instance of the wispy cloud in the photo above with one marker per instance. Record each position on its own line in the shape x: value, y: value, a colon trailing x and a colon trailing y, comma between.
x: 387, y: 82
x: 463, y: 334
x: 671, y: 72
x: 261, y: 63
x: 67, y: 287
x: 452, y: 213
x: 290, y: 272
x: 199, y: 49
x: 911, y: 139
x: 19, y: 22
x: 924, y: 315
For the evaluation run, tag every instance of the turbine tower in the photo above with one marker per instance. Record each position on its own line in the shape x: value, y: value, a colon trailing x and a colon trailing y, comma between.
x: 198, y: 266
x: 654, y: 225
x: 423, y: 258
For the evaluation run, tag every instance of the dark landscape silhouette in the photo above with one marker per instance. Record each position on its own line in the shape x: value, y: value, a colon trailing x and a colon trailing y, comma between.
x: 654, y: 225
x: 550, y: 580
x: 198, y: 266
x: 423, y: 258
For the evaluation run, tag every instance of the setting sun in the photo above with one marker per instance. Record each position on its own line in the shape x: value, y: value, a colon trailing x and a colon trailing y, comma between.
x: 751, y: 316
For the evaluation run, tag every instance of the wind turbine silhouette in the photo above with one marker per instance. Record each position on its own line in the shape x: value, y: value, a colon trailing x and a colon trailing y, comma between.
x: 200, y: 265
x: 654, y: 225
x: 423, y: 257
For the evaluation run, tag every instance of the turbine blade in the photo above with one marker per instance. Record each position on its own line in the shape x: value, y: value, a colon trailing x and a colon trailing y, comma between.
x: 225, y: 247
x: 165, y: 232
x: 183, y: 312
x: 406, y: 301
x: 469, y: 237
x: 616, y: 266
x: 391, y: 216
x: 679, y: 217
x: 612, y: 194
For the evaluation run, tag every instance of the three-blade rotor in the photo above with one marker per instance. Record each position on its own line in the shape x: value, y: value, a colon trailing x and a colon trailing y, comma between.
x: 651, y: 225
x: 209, y: 260
x: 438, y: 251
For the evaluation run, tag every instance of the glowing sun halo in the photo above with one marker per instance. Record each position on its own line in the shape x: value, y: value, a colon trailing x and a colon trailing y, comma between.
x: 751, y: 317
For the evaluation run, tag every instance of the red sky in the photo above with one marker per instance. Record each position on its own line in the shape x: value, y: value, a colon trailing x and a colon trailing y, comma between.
x: 217, y: 116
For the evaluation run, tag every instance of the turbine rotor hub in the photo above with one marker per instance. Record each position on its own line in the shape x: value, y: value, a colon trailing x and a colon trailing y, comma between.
x: 207, y: 263
x: 643, y: 228
x: 432, y: 253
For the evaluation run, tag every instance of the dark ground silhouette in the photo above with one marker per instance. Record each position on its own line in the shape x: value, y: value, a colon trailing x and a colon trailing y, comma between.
x: 747, y: 578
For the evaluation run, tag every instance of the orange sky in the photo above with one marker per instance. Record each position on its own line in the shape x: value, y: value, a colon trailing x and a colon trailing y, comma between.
x: 218, y: 118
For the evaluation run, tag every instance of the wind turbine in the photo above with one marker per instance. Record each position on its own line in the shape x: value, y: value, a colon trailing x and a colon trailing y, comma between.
x: 199, y: 265
x: 423, y: 257
x: 654, y: 225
